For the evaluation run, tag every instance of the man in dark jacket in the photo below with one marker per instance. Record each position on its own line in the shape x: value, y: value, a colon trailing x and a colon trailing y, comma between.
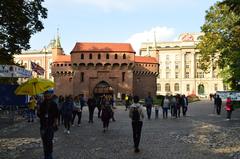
x: 91, y: 106
x: 149, y: 104
x: 184, y: 104
x: 218, y: 104
x: 48, y: 114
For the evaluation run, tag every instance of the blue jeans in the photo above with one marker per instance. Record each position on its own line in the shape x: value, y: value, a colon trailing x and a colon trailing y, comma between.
x: 165, y: 112
x: 149, y: 111
x: 31, y: 115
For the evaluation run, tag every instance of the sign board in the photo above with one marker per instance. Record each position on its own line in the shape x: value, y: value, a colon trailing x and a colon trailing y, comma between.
x: 234, y: 95
x: 14, y: 71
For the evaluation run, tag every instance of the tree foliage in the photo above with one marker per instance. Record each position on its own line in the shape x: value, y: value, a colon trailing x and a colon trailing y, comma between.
x: 19, y: 19
x: 220, y: 43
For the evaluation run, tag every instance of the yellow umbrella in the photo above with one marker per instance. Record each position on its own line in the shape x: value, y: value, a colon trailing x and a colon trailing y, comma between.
x: 34, y: 86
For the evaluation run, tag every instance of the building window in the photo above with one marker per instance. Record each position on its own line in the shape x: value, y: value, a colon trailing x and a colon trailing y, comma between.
x: 176, y: 87
x: 167, y: 57
x: 82, y: 77
x: 123, y: 76
x: 116, y: 56
x: 215, y: 87
x: 90, y: 56
x: 187, y: 65
x: 99, y: 56
x: 200, y: 74
x: 107, y: 56
x: 124, y: 56
x: 158, y: 87
x: 187, y: 75
x: 188, y: 87
x: 167, y: 74
x: 167, y: 66
x: 82, y: 56
x: 176, y: 74
x: 167, y: 87
x: 177, y: 57
x: 176, y: 66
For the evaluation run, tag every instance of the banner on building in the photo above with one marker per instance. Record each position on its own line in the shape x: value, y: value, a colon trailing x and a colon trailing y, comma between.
x: 36, y: 68
x: 14, y: 71
x: 234, y: 95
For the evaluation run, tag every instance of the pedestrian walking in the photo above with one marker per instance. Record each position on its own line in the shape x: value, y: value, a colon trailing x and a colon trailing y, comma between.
x: 229, y: 108
x: 106, y: 113
x: 91, y: 106
x: 48, y: 114
x: 112, y: 103
x: 166, y: 106
x: 156, y: 106
x: 149, y: 104
x: 67, y: 110
x: 99, y: 107
x: 173, y: 105
x: 32, y: 105
x: 218, y: 103
x: 184, y: 104
x: 136, y: 114
x: 178, y: 105
x: 77, y: 110
x: 127, y: 104
x: 60, y: 114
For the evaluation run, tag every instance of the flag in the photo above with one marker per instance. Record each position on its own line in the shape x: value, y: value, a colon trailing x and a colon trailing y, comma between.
x: 38, y: 69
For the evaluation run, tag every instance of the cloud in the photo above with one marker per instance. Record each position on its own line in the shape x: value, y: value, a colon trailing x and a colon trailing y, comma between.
x: 162, y: 33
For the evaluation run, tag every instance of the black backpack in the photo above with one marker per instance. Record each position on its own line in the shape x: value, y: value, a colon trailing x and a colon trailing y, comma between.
x: 135, y: 114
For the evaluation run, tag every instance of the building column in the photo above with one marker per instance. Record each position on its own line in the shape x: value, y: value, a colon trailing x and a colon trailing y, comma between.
x: 182, y: 71
x: 193, y: 73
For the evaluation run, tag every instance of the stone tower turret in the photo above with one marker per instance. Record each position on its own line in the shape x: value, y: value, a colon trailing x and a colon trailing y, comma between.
x: 57, y: 48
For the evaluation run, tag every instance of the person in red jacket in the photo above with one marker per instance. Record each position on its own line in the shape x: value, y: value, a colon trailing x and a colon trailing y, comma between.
x: 229, y: 108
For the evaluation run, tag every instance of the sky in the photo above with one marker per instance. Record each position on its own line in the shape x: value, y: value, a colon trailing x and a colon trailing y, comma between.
x: 131, y: 21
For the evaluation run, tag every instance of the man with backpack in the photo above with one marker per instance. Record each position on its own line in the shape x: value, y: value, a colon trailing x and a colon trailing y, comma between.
x: 136, y: 114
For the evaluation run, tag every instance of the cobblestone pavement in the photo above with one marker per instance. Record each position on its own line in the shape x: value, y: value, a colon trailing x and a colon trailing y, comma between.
x: 200, y: 135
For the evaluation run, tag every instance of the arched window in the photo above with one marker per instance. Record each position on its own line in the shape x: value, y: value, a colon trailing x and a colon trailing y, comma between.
x: 176, y: 87
x: 107, y: 56
x: 167, y: 87
x: 124, y: 56
x: 82, y: 56
x: 90, y: 56
x: 116, y: 56
x: 99, y: 56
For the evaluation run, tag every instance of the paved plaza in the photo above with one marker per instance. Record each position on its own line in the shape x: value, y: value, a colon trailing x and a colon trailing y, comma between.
x: 200, y: 135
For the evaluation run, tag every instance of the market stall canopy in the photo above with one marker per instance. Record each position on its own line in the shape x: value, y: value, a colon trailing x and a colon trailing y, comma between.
x: 14, y: 71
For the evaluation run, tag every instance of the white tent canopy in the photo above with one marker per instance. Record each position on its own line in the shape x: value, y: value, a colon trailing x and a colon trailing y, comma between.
x: 14, y: 71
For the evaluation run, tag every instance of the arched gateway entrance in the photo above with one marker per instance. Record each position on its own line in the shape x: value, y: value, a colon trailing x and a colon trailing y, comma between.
x: 102, y: 88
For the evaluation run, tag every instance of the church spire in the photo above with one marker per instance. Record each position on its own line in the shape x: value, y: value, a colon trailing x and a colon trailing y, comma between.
x: 57, y: 41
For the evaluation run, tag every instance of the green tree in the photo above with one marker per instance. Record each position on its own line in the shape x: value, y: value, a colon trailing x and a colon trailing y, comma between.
x: 220, y: 43
x: 19, y: 19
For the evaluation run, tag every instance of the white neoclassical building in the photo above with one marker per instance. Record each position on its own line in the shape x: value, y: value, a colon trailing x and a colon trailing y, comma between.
x: 179, y: 70
x: 41, y: 57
